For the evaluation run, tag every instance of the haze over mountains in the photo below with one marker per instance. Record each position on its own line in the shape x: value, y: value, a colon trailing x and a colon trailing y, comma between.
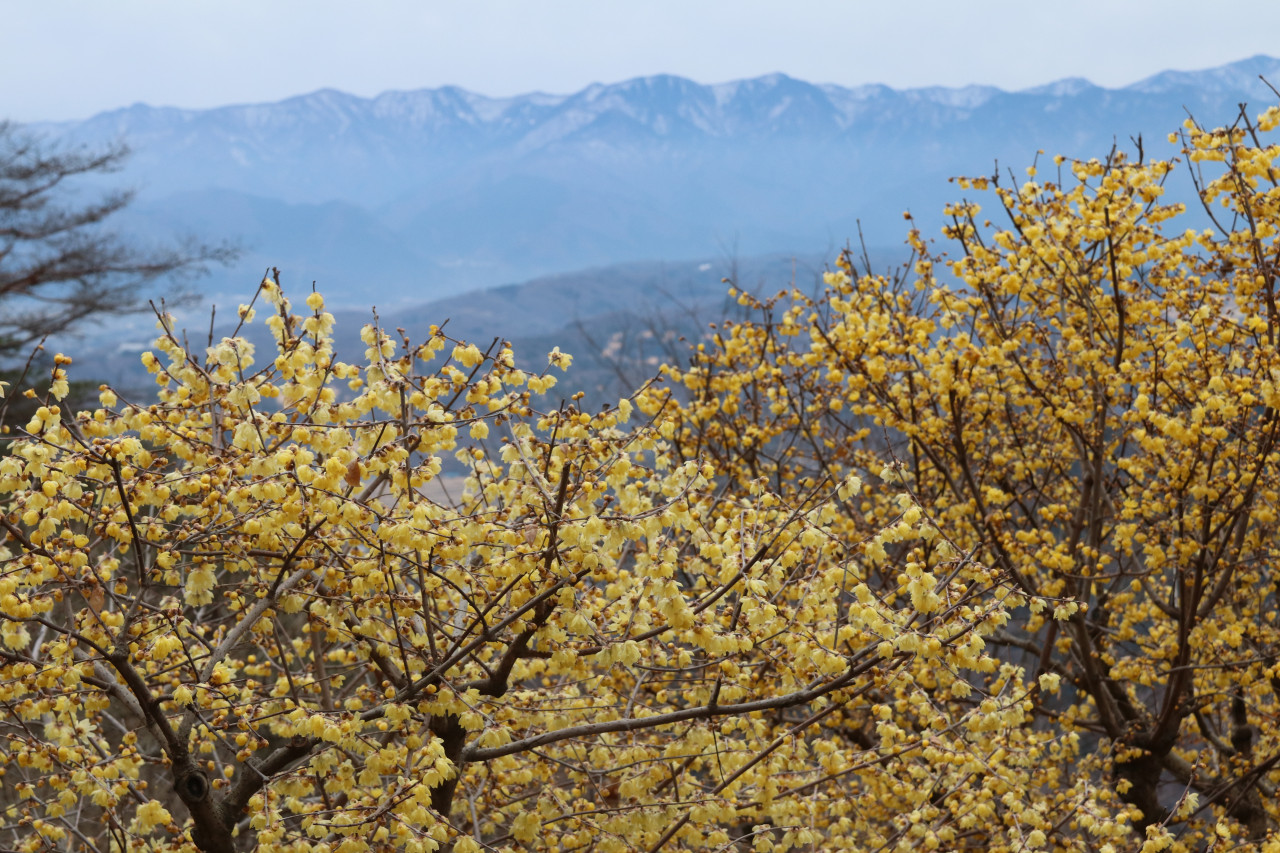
x: 411, y: 196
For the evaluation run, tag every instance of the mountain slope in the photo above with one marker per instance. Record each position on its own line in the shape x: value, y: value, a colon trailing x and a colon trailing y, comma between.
x: 446, y: 190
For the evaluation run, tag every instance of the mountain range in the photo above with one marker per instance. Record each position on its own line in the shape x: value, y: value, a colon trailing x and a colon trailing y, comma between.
x: 413, y: 196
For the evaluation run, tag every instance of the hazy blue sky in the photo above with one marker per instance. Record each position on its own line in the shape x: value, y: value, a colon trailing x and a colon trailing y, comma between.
x: 64, y: 59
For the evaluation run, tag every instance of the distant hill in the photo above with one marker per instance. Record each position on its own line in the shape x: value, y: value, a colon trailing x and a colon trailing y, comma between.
x: 411, y: 196
x: 619, y: 322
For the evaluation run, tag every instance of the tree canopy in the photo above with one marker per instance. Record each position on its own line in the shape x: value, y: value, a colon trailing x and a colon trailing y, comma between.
x: 1088, y: 406
x: 971, y: 562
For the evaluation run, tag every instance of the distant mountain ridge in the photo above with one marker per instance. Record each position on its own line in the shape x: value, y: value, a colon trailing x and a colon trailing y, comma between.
x: 433, y: 191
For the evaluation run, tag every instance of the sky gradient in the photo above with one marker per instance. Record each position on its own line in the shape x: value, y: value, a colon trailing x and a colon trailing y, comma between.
x: 67, y: 59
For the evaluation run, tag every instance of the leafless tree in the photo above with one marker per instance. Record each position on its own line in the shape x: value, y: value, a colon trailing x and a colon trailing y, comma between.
x: 60, y: 263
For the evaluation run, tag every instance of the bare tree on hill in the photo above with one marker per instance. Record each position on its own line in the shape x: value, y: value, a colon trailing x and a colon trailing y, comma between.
x: 60, y: 263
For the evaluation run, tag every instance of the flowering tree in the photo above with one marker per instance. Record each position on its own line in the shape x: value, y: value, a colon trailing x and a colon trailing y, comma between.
x: 256, y: 611
x: 974, y: 563
x: 1087, y: 405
